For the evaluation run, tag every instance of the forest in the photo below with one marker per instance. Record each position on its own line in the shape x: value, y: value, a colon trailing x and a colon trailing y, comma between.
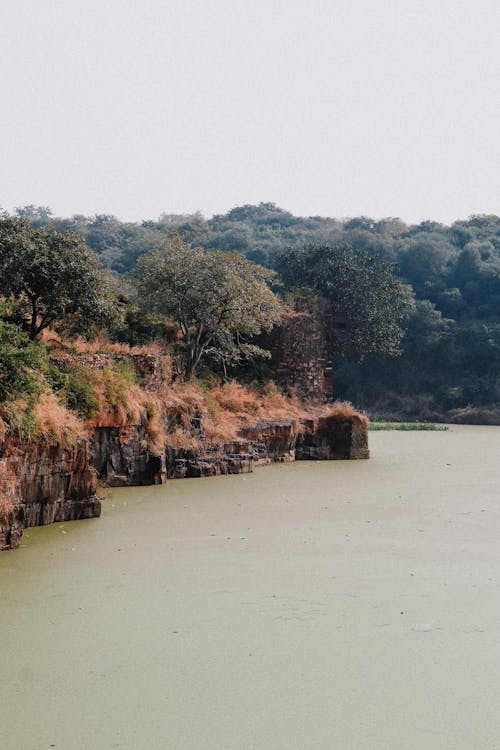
x: 447, y: 365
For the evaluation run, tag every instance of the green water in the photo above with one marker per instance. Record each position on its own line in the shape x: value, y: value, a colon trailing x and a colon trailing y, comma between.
x: 343, y: 605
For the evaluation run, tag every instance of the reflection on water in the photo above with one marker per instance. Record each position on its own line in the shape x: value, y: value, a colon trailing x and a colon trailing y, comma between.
x: 318, y: 605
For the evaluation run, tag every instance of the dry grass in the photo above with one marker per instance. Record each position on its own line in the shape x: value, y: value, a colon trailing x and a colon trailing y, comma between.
x: 220, y: 427
x: 235, y: 399
x: 181, y: 398
x: 108, y: 393
x: 55, y: 424
x: 101, y: 344
x: 118, y: 403
x: 179, y: 438
x: 232, y: 405
x: 180, y: 401
x: 250, y: 404
x: 345, y: 410
x: 225, y: 408
x: 155, y: 427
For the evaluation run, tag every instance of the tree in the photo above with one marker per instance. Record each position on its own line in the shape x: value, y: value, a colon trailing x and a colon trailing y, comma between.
x: 218, y: 299
x: 38, y: 215
x: 19, y: 361
x: 53, y: 277
x: 367, y: 304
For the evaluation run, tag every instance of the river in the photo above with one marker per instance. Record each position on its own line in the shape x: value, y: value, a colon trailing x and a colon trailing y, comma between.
x: 329, y: 606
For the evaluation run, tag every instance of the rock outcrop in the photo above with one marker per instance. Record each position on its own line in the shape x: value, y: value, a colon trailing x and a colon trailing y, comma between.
x: 41, y: 484
x: 333, y: 437
x: 124, y: 456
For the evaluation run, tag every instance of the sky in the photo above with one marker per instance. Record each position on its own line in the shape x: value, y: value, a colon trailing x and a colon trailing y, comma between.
x: 324, y: 107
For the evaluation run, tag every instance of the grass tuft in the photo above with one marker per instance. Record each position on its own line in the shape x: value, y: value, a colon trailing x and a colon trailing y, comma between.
x: 55, y: 424
x: 345, y: 410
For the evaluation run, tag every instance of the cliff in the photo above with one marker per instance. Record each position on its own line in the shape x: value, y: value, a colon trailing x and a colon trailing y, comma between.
x: 45, y: 484
x: 124, y: 456
x: 42, y: 484
x: 148, y: 427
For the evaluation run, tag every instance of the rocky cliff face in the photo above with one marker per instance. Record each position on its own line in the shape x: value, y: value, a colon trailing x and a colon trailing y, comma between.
x: 333, y: 437
x: 42, y: 484
x: 123, y: 456
x: 45, y: 484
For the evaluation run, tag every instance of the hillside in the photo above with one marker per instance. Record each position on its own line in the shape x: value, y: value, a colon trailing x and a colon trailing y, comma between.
x: 451, y: 352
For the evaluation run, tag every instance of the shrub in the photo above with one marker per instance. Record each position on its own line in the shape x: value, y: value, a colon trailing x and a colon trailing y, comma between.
x: 407, y: 426
x: 75, y: 388
x: 54, y: 423
x: 19, y: 361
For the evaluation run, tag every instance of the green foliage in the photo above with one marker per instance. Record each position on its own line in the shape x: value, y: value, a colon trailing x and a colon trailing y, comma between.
x: 83, y: 390
x: 447, y: 357
x: 19, y: 361
x: 140, y: 327
x: 126, y: 371
x: 20, y: 417
x: 54, y: 278
x: 367, y: 304
x: 74, y: 388
x: 407, y: 426
x: 219, y: 300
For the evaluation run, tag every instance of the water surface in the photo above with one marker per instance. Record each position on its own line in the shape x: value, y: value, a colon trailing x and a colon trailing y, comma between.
x: 350, y: 605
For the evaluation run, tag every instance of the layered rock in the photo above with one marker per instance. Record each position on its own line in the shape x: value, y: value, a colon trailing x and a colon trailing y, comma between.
x: 42, y: 484
x: 331, y: 437
x: 124, y: 456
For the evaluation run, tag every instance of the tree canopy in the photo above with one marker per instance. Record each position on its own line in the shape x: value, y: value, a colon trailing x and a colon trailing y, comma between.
x: 220, y: 300
x: 367, y: 304
x: 455, y: 269
x: 53, y: 277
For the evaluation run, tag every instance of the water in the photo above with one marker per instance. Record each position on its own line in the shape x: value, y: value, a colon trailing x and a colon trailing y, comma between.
x: 349, y: 605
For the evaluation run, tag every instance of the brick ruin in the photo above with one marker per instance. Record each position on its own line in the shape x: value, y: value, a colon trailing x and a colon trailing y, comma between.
x: 300, y: 355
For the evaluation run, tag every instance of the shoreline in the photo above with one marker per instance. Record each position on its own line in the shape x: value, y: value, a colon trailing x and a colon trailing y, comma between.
x: 50, y: 484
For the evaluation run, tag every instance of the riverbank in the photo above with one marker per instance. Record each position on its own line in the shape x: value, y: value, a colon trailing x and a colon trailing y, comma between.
x: 146, y: 427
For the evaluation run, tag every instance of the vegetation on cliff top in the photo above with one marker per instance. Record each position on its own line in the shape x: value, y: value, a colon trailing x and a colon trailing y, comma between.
x: 51, y: 279
x: 210, y: 303
x: 367, y: 305
x: 219, y: 300
x: 450, y: 353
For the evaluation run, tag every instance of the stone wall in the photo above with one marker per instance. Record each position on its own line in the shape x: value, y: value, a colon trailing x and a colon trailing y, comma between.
x: 300, y: 355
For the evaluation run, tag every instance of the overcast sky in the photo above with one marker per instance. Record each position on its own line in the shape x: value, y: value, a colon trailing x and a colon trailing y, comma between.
x: 331, y: 107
